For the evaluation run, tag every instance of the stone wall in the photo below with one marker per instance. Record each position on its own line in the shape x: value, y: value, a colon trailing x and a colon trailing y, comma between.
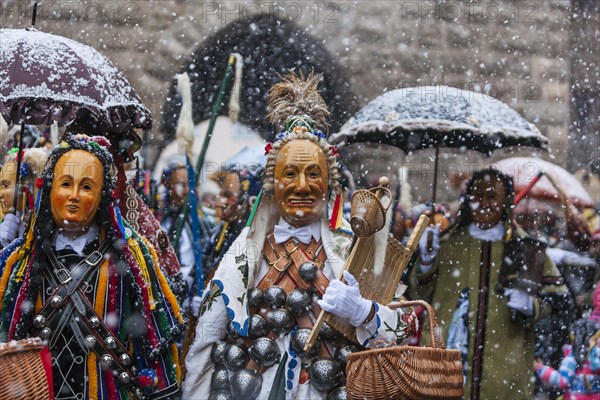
x: 517, y: 51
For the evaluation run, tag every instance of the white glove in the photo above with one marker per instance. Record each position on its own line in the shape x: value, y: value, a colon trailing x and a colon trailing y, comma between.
x: 427, y: 255
x: 345, y: 301
x: 519, y: 300
x: 10, y: 228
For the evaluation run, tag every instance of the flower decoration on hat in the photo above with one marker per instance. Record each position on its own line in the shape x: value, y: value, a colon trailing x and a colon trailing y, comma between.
x: 296, y: 105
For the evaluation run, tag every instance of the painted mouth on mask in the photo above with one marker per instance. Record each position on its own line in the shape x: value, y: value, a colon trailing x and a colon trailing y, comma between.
x: 72, y: 208
x: 301, y: 202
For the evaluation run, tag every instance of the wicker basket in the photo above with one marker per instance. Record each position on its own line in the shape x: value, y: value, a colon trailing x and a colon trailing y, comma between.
x: 406, y: 372
x: 25, y: 371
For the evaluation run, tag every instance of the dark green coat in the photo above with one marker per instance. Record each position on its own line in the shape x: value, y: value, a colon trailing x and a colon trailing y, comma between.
x: 508, y: 347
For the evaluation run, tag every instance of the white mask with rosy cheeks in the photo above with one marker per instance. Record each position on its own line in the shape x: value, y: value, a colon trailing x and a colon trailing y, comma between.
x: 301, y: 182
x: 76, y: 191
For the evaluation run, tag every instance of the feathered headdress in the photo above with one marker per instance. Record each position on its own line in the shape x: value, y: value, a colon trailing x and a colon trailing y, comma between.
x: 296, y: 102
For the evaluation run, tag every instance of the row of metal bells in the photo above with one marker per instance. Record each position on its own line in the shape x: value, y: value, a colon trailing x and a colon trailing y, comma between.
x: 245, y: 384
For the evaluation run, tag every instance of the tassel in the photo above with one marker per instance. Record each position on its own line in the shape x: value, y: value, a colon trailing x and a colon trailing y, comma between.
x: 335, y: 221
x: 185, y: 123
x: 236, y: 89
x: 54, y: 134
x: 3, y: 131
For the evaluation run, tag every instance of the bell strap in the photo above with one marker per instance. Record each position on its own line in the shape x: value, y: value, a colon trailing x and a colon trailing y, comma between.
x: 286, y: 259
x: 89, y: 329
x: 66, y: 283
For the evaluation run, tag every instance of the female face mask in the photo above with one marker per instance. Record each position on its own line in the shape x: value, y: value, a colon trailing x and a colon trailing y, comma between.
x: 76, y: 190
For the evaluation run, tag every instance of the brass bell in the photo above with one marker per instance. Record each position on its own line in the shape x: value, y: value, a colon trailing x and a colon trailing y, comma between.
x: 281, y: 320
x: 275, y: 297
x: 94, y: 322
x: 324, y: 374
x: 235, y: 357
x: 341, y: 354
x: 90, y: 341
x: 56, y: 301
x: 219, y: 379
x: 246, y: 384
x: 217, y: 354
x: 264, y: 352
x: 111, y: 343
x: 124, y: 377
x: 299, y: 302
x: 221, y: 395
x: 39, y: 321
x: 308, y: 270
x: 337, y: 394
x: 106, y: 360
x: 298, y: 341
x: 45, y: 333
x: 255, y: 297
x: 125, y: 359
x: 258, y: 327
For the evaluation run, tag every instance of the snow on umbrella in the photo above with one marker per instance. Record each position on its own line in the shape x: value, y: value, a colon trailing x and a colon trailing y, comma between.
x: 46, y: 78
x: 524, y: 170
x: 431, y: 116
x: 269, y: 47
x: 437, y: 117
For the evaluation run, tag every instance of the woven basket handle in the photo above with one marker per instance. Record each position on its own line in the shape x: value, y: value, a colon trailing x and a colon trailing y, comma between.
x: 436, y: 339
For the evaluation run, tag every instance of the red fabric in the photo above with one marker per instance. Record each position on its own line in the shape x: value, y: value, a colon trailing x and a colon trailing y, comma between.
x: 46, y: 358
x: 110, y: 385
x: 160, y: 373
x: 21, y: 297
x: 336, y: 210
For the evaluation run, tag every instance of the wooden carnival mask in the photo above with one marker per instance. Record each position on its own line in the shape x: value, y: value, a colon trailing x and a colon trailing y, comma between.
x: 486, y: 202
x: 228, y: 205
x: 8, y: 177
x: 301, y: 182
x: 76, y: 190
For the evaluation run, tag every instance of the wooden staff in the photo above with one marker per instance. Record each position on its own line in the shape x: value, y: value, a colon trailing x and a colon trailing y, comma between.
x: 380, y: 288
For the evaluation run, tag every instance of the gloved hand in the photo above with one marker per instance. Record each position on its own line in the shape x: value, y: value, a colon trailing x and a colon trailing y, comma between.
x: 429, y: 255
x: 520, y: 300
x: 345, y: 301
x: 10, y: 229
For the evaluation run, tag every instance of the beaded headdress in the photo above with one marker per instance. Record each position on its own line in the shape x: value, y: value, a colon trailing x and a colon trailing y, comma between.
x: 296, y: 104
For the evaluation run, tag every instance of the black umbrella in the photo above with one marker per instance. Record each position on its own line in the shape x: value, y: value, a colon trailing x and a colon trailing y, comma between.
x: 269, y: 47
x: 46, y: 78
x: 437, y: 117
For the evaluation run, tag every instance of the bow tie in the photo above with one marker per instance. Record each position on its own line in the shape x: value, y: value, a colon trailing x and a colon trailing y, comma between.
x: 63, y: 242
x: 283, y: 233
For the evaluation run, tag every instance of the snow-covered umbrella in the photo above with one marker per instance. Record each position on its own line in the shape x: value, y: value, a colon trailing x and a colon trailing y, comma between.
x: 438, y: 117
x: 525, y: 169
x: 46, y: 78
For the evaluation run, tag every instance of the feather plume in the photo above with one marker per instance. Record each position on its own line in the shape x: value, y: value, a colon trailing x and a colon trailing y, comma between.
x: 3, y: 131
x: 236, y: 89
x: 185, y: 124
x: 297, y: 95
x: 54, y: 133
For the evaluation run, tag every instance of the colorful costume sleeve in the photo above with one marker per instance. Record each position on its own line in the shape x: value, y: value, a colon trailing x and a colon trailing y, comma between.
x: 388, y: 327
x: 563, y: 377
x: 594, y: 358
